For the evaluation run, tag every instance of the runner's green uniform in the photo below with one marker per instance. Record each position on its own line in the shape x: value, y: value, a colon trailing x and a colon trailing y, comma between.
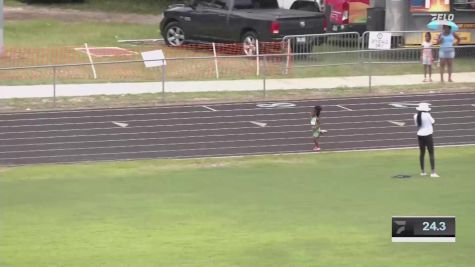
x: 315, y: 127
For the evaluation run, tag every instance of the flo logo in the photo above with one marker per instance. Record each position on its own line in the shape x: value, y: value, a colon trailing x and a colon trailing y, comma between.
x: 401, y: 226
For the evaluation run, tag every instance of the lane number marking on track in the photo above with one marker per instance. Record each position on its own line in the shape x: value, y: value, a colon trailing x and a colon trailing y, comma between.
x: 260, y: 124
x: 276, y: 105
x: 120, y: 124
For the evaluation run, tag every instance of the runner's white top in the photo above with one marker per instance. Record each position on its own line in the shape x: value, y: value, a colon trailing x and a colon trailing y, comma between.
x: 426, y: 126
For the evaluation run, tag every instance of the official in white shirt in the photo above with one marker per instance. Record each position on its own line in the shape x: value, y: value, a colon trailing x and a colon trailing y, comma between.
x: 424, y: 122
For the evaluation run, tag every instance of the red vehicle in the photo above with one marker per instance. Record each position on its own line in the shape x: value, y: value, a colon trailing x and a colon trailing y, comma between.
x: 346, y: 15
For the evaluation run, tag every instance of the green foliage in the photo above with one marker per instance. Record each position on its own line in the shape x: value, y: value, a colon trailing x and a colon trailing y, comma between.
x: 125, y: 6
x: 50, y: 33
x: 51, y: 1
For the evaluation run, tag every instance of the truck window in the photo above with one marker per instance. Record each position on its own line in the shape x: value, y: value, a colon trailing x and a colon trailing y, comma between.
x: 305, y: 5
x: 253, y: 4
x: 220, y: 4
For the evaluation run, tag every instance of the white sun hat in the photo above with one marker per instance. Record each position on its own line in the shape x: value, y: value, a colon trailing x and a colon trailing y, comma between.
x: 423, y: 107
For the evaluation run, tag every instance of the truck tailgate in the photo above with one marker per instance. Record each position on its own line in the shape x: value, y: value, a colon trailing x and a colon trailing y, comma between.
x: 301, y: 25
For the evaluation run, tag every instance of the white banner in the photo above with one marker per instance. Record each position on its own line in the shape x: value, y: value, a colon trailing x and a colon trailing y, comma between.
x: 154, y: 58
x: 380, y: 40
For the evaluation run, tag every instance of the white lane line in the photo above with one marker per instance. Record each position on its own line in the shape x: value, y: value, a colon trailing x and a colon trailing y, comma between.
x: 253, y: 155
x: 152, y: 126
x: 214, y: 123
x: 205, y: 130
x: 260, y: 124
x: 379, y: 148
x: 345, y: 108
x: 224, y: 135
x: 255, y: 102
x: 195, y: 149
x: 209, y: 108
x: 305, y: 152
x: 398, y: 123
x: 197, y: 111
x: 135, y: 116
x: 234, y: 116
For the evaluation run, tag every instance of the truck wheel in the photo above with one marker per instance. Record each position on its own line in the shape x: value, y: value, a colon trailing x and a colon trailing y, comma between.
x: 249, y: 43
x: 174, y: 34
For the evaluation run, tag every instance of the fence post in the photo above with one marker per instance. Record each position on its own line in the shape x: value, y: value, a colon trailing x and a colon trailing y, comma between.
x: 370, y: 74
x: 215, y: 61
x: 164, y: 69
x: 257, y: 58
x: 264, y: 73
x: 54, y: 86
x: 287, y: 63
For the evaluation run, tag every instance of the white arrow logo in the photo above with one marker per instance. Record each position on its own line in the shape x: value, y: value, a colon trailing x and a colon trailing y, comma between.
x: 260, y: 124
x: 120, y: 124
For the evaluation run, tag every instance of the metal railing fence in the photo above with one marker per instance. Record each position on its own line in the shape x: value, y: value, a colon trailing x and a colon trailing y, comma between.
x: 235, y: 67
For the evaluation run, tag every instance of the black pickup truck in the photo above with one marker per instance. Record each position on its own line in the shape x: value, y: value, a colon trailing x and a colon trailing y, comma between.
x: 238, y: 21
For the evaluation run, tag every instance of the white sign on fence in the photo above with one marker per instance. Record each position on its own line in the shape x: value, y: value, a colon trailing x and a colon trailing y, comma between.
x: 154, y: 58
x: 380, y: 40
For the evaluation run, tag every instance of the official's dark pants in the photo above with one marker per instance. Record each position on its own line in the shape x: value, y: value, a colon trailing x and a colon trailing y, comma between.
x: 426, y: 141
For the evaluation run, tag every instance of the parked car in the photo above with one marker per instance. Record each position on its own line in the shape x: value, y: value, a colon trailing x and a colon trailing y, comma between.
x: 244, y: 21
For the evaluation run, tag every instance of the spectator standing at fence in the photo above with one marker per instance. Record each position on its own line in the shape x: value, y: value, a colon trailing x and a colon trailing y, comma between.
x: 315, y: 123
x: 447, y: 50
x: 427, y: 57
x: 424, y: 122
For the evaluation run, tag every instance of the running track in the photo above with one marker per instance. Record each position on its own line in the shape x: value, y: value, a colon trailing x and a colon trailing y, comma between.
x: 226, y: 130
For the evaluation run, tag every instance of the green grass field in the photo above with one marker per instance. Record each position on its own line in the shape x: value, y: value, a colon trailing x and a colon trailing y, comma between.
x: 50, y: 33
x: 124, y: 6
x: 332, y: 209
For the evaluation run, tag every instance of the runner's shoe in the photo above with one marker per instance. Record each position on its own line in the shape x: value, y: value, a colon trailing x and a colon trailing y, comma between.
x: 316, y: 149
x: 434, y: 175
x: 423, y: 174
x: 323, y: 131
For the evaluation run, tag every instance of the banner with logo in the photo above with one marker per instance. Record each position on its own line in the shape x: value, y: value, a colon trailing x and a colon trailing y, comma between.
x: 429, y: 6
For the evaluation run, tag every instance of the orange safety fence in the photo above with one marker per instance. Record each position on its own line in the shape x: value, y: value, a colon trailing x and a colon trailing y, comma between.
x: 230, y: 62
